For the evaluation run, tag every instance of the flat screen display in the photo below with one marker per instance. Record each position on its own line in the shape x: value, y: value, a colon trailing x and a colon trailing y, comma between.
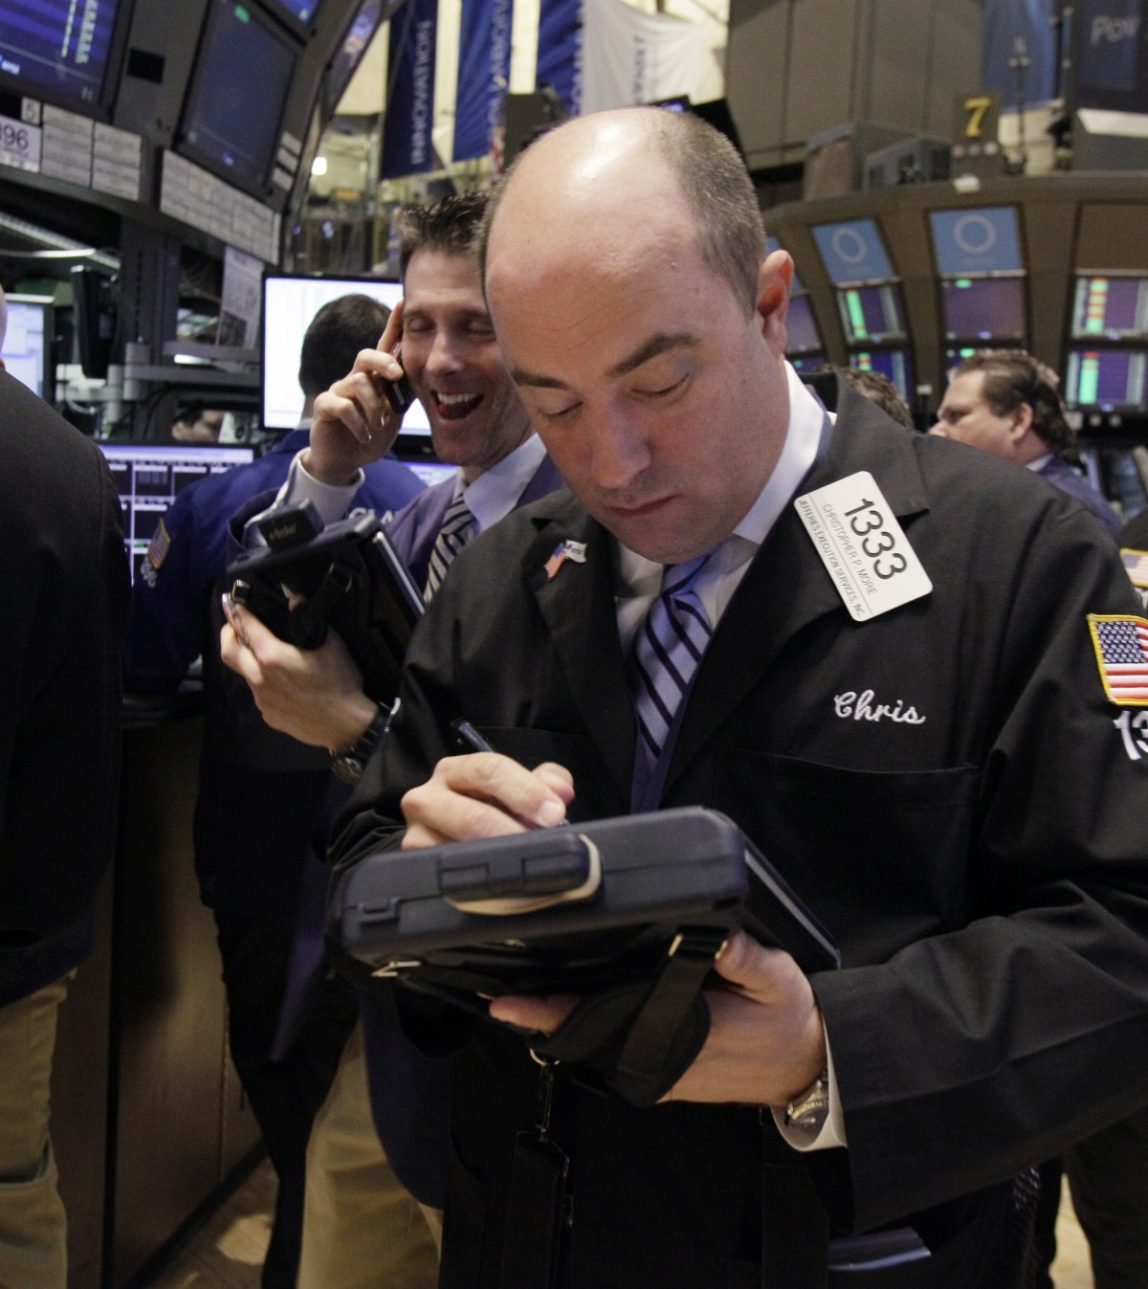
x: 58, y: 48
x: 149, y: 477
x: 871, y: 314
x: 231, y: 120
x: 1115, y: 308
x: 801, y: 326
x: 28, y: 342
x: 1107, y: 378
x: 893, y: 364
x: 303, y: 11
x: 983, y: 309
x: 289, y: 304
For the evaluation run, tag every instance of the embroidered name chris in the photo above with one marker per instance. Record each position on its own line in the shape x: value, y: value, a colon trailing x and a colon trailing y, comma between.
x: 861, y: 707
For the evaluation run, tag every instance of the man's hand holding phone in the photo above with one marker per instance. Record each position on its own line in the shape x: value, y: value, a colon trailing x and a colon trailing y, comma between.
x: 355, y: 421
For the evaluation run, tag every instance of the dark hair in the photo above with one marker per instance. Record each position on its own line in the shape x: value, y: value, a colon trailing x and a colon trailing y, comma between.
x: 332, y: 342
x: 1013, y: 377
x: 717, y: 189
x: 189, y: 413
x: 450, y: 225
x: 877, y: 389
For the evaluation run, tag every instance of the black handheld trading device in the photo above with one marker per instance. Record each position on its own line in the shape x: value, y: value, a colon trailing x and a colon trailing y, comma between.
x: 346, y: 575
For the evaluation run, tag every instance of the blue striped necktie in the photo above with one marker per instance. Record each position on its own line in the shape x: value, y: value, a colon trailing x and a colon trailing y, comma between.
x: 457, y: 529
x: 666, y: 652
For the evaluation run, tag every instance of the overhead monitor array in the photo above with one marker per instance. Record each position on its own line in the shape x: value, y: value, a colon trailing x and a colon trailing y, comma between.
x: 868, y: 294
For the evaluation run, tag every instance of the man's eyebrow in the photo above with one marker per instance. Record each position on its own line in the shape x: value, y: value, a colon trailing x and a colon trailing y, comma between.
x: 657, y: 344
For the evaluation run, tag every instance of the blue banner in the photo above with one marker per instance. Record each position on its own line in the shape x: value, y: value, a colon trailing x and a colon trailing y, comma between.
x: 483, y: 74
x: 560, y: 51
x: 1013, y: 30
x: 1109, y: 48
x: 407, y: 145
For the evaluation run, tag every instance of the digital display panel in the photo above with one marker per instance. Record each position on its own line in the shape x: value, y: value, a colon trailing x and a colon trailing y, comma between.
x: 303, y: 11
x: 983, y: 309
x: 853, y: 252
x: 1107, y: 378
x: 808, y: 362
x: 801, y: 326
x: 289, y: 304
x: 239, y: 86
x: 58, y: 48
x: 1115, y: 308
x: 978, y: 241
x: 149, y: 477
x: 350, y: 53
x: 871, y: 314
x: 892, y: 364
x: 28, y: 343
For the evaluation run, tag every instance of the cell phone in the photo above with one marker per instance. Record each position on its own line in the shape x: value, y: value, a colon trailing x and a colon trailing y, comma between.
x: 398, y: 393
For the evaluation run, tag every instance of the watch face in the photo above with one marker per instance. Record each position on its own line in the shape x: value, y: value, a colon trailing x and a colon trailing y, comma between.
x: 347, y: 767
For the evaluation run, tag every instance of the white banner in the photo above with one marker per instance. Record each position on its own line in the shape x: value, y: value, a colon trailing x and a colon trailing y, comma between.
x: 630, y: 57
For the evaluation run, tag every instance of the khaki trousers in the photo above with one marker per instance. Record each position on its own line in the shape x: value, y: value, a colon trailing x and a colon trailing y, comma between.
x: 361, y: 1228
x: 33, y: 1227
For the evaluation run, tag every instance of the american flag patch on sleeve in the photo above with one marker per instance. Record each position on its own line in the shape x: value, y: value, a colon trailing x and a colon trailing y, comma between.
x: 1121, y: 645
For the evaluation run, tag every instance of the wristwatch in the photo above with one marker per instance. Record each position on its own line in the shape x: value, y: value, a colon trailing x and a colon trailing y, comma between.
x: 809, y: 1109
x: 348, y: 763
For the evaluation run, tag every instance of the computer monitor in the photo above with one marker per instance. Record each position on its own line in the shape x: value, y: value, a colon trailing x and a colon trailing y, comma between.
x: 289, y: 303
x: 27, y: 349
x: 299, y: 14
x: 62, y: 52
x: 1110, y: 307
x: 984, y: 309
x: 149, y: 477
x: 232, y: 117
x: 801, y: 326
x: 871, y: 314
x: 893, y: 364
x: 1107, y: 379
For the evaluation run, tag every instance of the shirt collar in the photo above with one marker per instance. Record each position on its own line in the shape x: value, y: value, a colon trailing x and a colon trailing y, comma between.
x: 495, y: 493
x: 637, y: 575
x: 1038, y: 463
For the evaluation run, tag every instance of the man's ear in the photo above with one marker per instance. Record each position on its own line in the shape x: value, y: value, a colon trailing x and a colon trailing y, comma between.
x: 1021, y: 422
x: 774, y: 281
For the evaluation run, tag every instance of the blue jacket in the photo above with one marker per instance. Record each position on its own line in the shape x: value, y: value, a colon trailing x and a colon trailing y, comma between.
x: 265, y: 800
x: 1059, y: 473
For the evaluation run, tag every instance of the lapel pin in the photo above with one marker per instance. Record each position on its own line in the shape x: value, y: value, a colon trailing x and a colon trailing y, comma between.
x: 568, y: 549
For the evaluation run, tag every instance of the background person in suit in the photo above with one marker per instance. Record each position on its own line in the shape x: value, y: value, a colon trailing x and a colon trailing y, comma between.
x: 63, y: 574
x: 995, y: 965
x: 1005, y: 402
x: 353, y: 1234
x: 265, y: 802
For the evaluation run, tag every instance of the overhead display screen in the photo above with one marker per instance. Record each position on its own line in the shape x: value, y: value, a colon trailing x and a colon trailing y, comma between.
x: 853, y: 252
x: 893, y: 364
x: 801, y: 326
x: 1107, y: 378
x: 239, y: 86
x: 302, y: 10
x: 1115, y: 308
x: 984, y: 308
x: 871, y: 314
x: 985, y: 240
x: 59, y: 48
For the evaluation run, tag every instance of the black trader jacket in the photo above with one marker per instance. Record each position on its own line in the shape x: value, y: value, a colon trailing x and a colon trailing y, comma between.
x: 64, y: 581
x: 983, y: 869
